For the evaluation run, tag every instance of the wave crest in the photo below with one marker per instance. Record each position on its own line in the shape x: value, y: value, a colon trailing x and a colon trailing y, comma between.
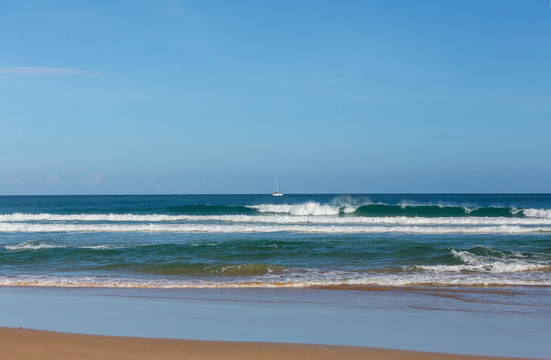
x: 309, y: 208
x: 230, y: 270
x: 491, y: 262
x: 32, y: 245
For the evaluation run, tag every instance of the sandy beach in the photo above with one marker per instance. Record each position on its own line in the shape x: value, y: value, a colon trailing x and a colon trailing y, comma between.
x: 347, y: 324
x: 34, y: 344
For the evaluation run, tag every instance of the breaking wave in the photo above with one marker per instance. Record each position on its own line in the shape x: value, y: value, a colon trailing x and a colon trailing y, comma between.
x: 484, y: 260
x: 309, y: 208
x: 402, y: 210
x: 326, y: 280
x: 275, y: 218
x: 32, y: 245
x: 269, y: 228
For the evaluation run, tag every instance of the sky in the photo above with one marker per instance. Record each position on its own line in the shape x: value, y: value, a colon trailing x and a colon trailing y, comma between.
x: 207, y: 97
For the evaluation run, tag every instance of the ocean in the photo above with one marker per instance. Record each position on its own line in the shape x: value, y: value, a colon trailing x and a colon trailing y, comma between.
x: 259, y: 241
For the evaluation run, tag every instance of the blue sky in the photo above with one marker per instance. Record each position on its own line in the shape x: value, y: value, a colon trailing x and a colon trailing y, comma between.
x: 103, y: 97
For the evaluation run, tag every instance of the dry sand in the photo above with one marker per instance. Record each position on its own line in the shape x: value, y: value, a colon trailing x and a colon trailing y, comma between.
x: 36, y: 345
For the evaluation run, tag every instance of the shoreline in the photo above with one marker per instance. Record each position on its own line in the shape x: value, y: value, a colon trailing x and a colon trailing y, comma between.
x: 478, y: 324
x: 29, y: 344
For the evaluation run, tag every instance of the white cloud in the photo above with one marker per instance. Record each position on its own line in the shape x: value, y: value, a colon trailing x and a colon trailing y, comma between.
x: 46, y: 71
x: 15, y: 181
x: 53, y: 179
x: 94, y: 179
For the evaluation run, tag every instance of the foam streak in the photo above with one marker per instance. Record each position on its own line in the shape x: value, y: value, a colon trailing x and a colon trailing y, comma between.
x: 253, y: 228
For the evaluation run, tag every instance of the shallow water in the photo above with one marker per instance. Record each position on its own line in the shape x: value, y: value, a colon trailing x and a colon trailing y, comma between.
x: 460, y: 320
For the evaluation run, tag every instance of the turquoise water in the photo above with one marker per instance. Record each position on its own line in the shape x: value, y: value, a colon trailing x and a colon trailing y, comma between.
x: 294, y: 241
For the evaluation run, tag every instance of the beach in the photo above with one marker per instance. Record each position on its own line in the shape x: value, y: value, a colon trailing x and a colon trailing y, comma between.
x: 23, y: 344
x: 479, y: 322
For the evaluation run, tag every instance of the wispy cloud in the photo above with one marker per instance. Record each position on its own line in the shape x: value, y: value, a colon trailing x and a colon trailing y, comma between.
x: 46, y: 71
x: 15, y: 181
x: 94, y: 179
x: 54, y: 179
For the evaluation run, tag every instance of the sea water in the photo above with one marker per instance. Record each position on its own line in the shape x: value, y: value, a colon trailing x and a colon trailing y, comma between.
x: 244, y: 241
x: 446, y: 273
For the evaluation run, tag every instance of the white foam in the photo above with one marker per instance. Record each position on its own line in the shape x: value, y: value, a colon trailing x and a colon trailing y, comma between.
x: 489, y: 267
x: 538, y: 213
x: 258, y: 228
x: 466, y: 256
x: 271, y: 280
x: 31, y: 245
x: 274, y: 219
x: 35, y: 245
x: 103, y: 247
x: 21, y: 217
x: 484, y: 264
x: 309, y: 208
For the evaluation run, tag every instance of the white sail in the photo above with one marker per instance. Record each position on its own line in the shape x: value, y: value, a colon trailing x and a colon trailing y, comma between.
x: 277, y: 193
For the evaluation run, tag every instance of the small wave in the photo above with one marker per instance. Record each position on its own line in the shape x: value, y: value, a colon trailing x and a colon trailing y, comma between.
x: 210, y: 210
x: 494, y: 267
x: 31, y: 245
x: 104, y: 247
x: 43, y: 217
x: 172, y: 213
x: 407, y: 210
x: 493, y: 262
x: 317, y: 280
x: 201, y: 270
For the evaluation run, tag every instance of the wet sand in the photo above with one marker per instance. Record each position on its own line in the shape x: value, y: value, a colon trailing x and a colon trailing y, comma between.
x: 23, y: 344
x: 348, y: 324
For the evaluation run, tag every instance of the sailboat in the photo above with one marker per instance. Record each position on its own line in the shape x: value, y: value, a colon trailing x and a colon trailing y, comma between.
x: 277, y: 193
